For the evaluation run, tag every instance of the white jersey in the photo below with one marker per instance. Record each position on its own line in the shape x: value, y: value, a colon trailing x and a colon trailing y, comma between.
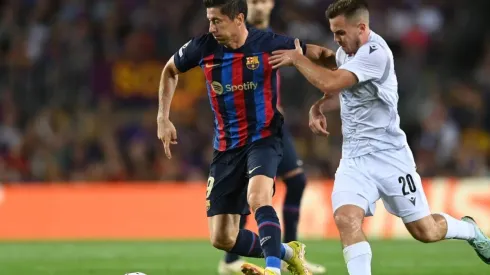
x: 369, y: 112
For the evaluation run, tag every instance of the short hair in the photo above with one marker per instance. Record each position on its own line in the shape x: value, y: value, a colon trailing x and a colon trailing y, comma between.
x: 347, y: 8
x: 230, y: 8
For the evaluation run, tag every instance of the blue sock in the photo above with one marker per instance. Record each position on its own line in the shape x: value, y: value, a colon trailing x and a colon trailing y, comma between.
x: 232, y: 257
x: 270, y: 235
x: 295, y: 188
x: 283, y: 252
x: 247, y: 244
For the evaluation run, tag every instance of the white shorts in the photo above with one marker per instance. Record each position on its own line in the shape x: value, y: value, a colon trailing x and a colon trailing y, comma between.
x: 390, y: 175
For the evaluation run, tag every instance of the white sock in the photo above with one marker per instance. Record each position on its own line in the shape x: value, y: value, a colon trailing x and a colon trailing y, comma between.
x: 457, y: 229
x: 276, y: 271
x: 358, y: 258
x: 289, y: 252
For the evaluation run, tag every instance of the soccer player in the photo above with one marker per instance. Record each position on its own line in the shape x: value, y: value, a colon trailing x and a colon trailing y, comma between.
x: 376, y: 159
x: 248, y: 131
x: 289, y: 169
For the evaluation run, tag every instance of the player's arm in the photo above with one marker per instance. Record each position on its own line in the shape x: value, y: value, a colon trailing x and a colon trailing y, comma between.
x: 369, y: 63
x: 329, y: 102
x: 321, y: 56
x: 168, y: 84
x: 185, y: 59
x: 328, y: 81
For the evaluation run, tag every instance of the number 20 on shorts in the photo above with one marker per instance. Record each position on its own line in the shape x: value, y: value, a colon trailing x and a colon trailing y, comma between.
x: 406, y: 181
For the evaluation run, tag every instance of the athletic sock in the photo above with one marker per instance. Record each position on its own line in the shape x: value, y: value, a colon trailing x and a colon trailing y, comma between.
x: 232, y: 257
x: 247, y: 244
x: 270, y: 236
x: 358, y: 258
x: 457, y: 229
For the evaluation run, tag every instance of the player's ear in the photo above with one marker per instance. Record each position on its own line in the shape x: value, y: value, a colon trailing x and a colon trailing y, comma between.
x: 240, y: 19
x: 362, y: 28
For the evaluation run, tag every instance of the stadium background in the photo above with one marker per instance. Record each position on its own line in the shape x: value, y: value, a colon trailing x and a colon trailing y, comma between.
x: 79, y: 157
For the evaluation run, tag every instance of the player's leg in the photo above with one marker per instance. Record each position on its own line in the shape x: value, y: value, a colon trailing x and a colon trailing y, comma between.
x: 226, y: 235
x: 353, y: 198
x: 436, y: 227
x: 429, y: 228
x: 262, y: 161
x: 291, y: 172
x: 403, y: 196
x: 232, y: 264
x: 356, y: 249
x: 227, y: 202
x: 260, y: 190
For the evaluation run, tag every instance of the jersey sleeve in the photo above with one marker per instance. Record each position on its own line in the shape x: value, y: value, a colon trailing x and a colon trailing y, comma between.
x: 338, y: 57
x: 282, y: 42
x: 189, y: 55
x: 369, y: 63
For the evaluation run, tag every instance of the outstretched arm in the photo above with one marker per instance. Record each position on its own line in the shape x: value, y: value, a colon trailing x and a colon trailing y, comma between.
x: 371, y: 62
x: 327, y: 80
x: 321, y: 56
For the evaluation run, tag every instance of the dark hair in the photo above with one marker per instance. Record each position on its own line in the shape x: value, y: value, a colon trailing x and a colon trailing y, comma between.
x: 230, y: 8
x: 346, y: 8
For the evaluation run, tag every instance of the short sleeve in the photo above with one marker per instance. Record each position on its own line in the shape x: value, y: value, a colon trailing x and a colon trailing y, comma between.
x: 281, y: 42
x: 189, y: 55
x: 369, y: 63
x: 338, y: 57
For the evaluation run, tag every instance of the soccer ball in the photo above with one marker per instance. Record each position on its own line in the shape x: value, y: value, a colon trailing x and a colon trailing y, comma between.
x: 135, y: 273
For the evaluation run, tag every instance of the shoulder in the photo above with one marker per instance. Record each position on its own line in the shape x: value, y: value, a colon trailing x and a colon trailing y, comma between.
x: 373, y: 52
x: 339, y: 56
x: 267, y: 36
x: 203, y: 44
x: 257, y: 34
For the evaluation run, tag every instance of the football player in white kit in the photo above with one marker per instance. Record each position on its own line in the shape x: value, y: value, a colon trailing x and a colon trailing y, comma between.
x: 377, y: 162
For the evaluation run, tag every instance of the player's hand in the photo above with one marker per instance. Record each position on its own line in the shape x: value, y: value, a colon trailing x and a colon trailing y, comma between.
x: 167, y: 134
x: 318, y: 121
x: 282, y: 58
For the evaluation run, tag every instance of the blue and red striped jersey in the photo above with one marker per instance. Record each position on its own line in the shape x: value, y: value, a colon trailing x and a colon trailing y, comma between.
x: 241, y: 84
x: 278, y: 76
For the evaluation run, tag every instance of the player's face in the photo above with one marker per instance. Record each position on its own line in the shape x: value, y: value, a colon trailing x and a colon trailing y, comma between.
x: 347, y: 33
x: 223, y: 28
x: 259, y: 11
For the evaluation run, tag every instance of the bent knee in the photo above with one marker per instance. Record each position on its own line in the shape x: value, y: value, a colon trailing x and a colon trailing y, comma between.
x: 260, y: 192
x: 349, y: 217
x: 257, y: 200
x: 222, y: 241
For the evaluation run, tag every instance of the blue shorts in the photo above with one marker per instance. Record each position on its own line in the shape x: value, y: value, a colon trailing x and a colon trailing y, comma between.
x: 290, y: 160
x: 230, y: 171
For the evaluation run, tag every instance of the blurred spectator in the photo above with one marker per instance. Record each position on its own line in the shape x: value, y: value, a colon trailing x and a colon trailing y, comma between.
x: 79, y: 82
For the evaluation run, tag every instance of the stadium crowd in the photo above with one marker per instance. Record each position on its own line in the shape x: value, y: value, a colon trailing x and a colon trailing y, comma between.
x: 79, y: 87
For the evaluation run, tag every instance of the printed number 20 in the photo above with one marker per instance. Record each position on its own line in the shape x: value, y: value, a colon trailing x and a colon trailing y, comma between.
x: 407, y: 180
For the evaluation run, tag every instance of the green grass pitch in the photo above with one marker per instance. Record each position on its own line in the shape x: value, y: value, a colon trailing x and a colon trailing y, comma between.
x: 196, y: 257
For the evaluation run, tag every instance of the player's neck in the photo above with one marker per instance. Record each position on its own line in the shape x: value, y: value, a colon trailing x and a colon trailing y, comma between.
x: 365, y: 36
x: 363, y: 40
x: 261, y: 26
x: 239, y: 40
